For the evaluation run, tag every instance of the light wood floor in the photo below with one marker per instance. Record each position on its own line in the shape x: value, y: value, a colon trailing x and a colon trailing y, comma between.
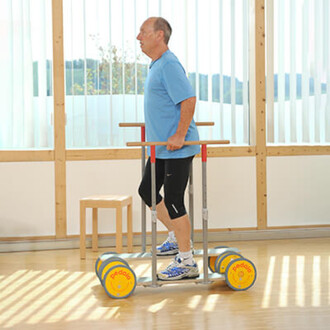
x: 55, y: 290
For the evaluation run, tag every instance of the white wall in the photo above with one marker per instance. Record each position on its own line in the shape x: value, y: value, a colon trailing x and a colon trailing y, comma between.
x: 231, y: 182
x: 298, y: 193
x: 231, y: 192
x: 85, y: 178
x: 27, y: 199
x: 298, y: 190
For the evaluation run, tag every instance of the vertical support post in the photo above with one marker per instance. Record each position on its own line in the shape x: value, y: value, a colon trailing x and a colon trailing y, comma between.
x: 82, y: 231
x: 119, y: 229
x: 143, y: 205
x: 260, y: 93
x: 59, y: 119
x: 205, y: 215
x: 153, y: 215
x: 191, y: 202
x: 129, y: 228
x: 95, y: 231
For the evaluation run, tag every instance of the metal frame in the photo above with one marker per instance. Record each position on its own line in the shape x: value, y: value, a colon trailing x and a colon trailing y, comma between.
x: 143, y: 165
x: 204, y: 278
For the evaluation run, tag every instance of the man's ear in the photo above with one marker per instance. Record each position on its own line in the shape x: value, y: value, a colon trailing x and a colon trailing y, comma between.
x: 160, y: 35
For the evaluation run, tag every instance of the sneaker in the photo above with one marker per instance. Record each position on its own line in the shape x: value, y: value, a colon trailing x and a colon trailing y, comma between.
x: 169, y: 247
x: 175, y: 262
x: 177, y: 270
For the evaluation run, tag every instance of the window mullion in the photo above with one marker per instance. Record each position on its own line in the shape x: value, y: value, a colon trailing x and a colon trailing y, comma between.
x: 293, y: 73
x: 270, y: 71
x: 233, y: 74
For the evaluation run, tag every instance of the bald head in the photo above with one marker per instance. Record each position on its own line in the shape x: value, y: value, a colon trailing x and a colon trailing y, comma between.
x: 161, y: 24
x: 154, y: 35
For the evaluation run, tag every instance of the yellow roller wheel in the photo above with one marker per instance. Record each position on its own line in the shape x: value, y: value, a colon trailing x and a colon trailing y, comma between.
x: 218, y: 258
x: 119, y: 282
x: 100, y: 259
x: 211, y: 262
x: 224, y: 260
x: 240, y: 274
x: 108, y: 263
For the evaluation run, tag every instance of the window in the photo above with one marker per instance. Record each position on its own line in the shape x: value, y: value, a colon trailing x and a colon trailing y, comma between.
x: 298, y: 72
x: 26, y: 102
x: 105, y: 69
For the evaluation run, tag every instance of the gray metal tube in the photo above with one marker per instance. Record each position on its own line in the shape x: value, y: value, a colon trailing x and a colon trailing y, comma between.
x: 154, y: 224
x: 191, y: 202
x: 205, y: 224
x: 143, y: 205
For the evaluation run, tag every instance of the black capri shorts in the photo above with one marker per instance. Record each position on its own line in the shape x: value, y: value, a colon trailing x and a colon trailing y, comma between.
x: 173, y: 174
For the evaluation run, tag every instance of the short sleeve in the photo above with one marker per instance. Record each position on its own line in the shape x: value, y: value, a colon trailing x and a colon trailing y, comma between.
x: 176, y: 82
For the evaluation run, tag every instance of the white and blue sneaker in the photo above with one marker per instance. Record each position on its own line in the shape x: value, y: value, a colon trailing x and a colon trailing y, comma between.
x: 169, y: 247
x: 177, y: 270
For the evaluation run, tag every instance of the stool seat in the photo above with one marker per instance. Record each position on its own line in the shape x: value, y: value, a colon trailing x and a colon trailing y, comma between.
x: 106, y: 201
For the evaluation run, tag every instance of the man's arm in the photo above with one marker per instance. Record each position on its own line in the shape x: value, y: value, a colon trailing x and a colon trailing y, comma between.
x: 176, y: 141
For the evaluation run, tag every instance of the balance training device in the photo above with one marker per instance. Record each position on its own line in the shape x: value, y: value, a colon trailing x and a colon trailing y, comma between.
x: 119, y: 280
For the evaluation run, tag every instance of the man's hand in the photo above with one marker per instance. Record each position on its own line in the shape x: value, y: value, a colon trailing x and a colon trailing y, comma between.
x: 175, y: 142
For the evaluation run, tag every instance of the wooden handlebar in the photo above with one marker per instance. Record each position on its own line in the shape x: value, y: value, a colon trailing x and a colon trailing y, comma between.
x: 200, y: 123
x: 186, y: 143
x: 131, y: 124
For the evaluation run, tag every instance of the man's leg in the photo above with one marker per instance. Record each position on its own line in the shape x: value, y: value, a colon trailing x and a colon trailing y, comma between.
x: 175, y: 182
x: 170, y: 246
x: 182, y: 229
x: 163, y: 216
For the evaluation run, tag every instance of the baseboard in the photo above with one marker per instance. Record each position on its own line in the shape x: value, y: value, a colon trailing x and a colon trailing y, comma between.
x: 213, y: 236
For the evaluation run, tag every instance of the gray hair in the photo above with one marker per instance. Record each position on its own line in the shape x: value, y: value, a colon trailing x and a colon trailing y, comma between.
x: 161, y: 24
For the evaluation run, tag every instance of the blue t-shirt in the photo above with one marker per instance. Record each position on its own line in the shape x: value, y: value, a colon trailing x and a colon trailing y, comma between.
x: 165, y: 88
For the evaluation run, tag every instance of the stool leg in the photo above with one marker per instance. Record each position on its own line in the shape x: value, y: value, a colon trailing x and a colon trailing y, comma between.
x: 94, y: 234
x: 129, y: 229
x: 82, y: 231
x: 119, y: 230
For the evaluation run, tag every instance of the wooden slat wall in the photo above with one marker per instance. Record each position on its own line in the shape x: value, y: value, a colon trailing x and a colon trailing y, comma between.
x: 298, y: 150
x: 26, y: 156
x: 260, y: 114
x: 59, y: 119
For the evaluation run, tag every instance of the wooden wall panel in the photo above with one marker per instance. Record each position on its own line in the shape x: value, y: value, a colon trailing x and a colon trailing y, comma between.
x: 59, y: 119
x: 26, y: 155
x: 260, y: 113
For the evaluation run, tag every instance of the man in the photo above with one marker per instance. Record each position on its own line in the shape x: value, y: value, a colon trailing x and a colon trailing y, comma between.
x: 169, y: 105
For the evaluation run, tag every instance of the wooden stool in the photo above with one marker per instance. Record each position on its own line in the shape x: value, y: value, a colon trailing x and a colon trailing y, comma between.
x: 106, y: 201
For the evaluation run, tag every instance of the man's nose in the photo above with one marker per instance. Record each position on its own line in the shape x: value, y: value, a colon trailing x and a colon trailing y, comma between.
x: 138, y: 37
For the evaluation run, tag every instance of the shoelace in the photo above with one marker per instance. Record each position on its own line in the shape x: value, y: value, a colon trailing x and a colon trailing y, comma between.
x: 176, y: 271
x: 173, y: 264
x: 166, y: 243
